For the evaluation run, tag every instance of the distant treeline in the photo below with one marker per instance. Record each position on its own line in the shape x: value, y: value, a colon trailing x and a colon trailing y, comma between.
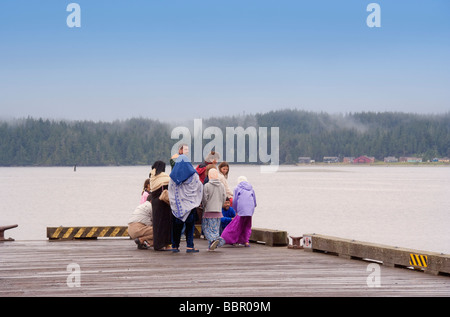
x: 31, y: 142
x: 368, y: 133
x: 138, y: 141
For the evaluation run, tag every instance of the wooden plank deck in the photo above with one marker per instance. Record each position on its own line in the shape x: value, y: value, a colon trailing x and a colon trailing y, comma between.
x: 114, y: 267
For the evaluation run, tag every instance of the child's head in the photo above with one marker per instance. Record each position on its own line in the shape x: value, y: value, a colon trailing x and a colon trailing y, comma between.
x: 146, y: 185
x: 226, y: 204
x: 213, y: 173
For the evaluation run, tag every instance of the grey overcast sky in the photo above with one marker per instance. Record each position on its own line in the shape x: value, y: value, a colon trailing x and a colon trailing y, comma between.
x: 183, y: 59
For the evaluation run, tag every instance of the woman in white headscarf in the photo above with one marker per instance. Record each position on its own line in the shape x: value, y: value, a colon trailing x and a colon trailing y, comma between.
x: 185, y: 195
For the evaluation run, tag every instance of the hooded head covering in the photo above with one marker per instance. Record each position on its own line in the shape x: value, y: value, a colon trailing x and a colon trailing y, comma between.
x: 242, y: 179
x: 158, y: 177
x: 244, y: 201
x: 182, y: 170
x: 213, y: 174
x: 185, y: 188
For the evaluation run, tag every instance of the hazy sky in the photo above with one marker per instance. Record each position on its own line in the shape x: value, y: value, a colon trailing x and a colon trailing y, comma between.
x: 175, y: 59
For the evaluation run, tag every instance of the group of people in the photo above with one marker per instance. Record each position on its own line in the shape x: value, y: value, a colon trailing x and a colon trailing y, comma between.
x: 172, y: 203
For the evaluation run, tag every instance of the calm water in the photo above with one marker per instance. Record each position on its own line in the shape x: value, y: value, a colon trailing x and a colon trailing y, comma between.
x: 398, y: 206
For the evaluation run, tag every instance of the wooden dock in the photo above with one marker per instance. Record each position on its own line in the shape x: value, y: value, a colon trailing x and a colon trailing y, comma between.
x: 114, y: 267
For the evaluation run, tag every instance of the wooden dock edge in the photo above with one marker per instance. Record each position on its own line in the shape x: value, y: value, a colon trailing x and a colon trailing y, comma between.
x: 269, y: 237
x: 429, y: 262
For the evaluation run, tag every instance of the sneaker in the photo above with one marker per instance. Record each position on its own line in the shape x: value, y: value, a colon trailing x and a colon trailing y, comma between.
x: 213, y: 245
x: 141, y: 246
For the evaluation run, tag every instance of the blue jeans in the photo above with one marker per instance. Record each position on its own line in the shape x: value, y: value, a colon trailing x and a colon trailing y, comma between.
x: 178, y: 227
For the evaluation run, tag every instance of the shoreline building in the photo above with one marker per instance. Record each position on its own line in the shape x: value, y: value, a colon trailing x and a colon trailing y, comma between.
x: 364, y: 160
x: 331, y: 159
x: 391, y: 159
x: 406, y: 159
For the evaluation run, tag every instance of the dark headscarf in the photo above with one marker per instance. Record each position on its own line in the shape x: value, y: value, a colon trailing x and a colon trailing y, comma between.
x: 159, y: 166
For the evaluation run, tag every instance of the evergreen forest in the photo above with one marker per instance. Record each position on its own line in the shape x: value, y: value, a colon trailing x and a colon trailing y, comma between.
x: 140, y: 141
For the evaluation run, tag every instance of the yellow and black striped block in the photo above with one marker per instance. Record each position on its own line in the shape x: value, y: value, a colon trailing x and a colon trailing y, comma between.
x: 69, y: 233
x: 418, y: 260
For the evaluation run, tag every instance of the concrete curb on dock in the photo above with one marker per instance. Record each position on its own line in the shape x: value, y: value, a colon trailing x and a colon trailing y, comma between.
x: 429, y: 262
x: 269, y: 237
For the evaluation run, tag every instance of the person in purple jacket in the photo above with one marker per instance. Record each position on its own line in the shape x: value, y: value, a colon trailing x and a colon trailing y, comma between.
x: 244, y: 203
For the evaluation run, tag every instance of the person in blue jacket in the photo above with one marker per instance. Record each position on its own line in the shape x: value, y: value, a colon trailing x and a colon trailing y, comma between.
x: 228, y: 214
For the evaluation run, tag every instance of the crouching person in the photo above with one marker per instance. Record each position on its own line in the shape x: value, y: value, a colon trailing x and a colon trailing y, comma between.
x: 140, y: 226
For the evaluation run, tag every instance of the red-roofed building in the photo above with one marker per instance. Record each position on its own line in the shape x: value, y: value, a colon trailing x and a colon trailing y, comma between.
x: 364, y: 160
